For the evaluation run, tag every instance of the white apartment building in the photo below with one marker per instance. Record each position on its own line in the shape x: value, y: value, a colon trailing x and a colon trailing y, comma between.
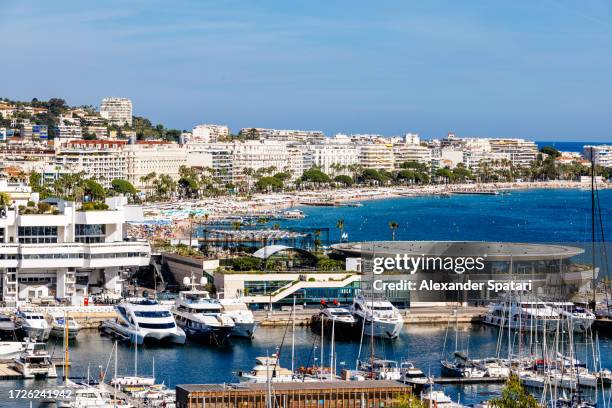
x: 285, y: 134
x: 208, y: 133
x: 66, y: 131
x: 602, y: 154
x: 118, y: 111
x: 264, y: 154
x: 332, y: 158
x: 101, y: 132
x: 409, y: 152
x: 68, y: 254
x: 472, y: 159
x: 522, y: 152
x: 377, y: 156
x: 149, y: 156
x: 102, y: 160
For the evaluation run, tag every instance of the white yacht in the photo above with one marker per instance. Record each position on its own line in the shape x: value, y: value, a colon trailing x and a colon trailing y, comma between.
x: 35, y: 361
x: 58, y: 324
x: 11, y: 349
x: 86, y: 397
x: 412, y: 374
x: 339, y: 318
x: 7, y: 327
x: 200, y: 316
x: 33, y: 325
x: 386, y: 318
x: 379, y: 369
x: 266, y: 369
x: 522, y: 315
x: 244, y: 320
x: 438, y: 399
x: 142, y: 318
x: 576, y: 317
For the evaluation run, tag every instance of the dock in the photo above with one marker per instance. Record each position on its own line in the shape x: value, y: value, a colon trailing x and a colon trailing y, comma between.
x: 469, y: 380
x: 7, y: 372
x: 416, y: 316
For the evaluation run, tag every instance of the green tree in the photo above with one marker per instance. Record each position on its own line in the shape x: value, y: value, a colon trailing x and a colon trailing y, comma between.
x: 315, y: 175
x: 94, y: 190
x: 340, y: 226
x: 269, y: 183
x: 551, y: 151
x: 123, y: 187
x: 393, y: 225
x: 514, y: 395
x: 344, y: 179
x: 409, y: 401
x: 5, y: 199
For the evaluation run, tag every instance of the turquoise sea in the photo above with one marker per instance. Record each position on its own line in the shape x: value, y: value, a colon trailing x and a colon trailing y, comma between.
x: 533, y: 216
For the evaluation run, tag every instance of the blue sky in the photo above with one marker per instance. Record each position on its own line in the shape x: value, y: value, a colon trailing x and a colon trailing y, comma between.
x: 535, y: 69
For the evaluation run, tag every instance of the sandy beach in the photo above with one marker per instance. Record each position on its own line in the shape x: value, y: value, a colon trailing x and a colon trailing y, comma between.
x: 171, y: 219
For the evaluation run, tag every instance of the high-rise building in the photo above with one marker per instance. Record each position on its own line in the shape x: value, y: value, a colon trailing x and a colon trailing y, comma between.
x: 118, y: 111
x: 208, y: 133
x: 377, y: 156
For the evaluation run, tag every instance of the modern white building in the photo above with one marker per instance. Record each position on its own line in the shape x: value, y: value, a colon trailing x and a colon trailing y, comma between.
x: 208, y: 133
x: 411, y: 152
x: 522, y: 152
x: 118, y: 111
x: 284, y: 134
x: 377, y: 156
x: 68, y: 132
x: 156, y: 157
x: 602, y: 154
x: 332, y: 158
x: 67, y: 253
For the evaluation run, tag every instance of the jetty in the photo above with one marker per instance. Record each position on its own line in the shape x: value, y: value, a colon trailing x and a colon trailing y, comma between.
x: 415, y: 316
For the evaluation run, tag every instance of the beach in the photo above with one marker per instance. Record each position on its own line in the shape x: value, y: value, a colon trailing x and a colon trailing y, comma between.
x: 169, y: 220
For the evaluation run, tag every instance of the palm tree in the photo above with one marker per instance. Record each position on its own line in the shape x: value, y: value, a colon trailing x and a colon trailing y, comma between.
x: 393, y: 225
x: 191, y: 218
x: 340, y: 226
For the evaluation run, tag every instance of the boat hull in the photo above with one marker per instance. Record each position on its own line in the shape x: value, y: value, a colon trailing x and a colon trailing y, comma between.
x: 381, y: 329
x: 176, y: 335
x: 244, y: 330
x: 209, y: 334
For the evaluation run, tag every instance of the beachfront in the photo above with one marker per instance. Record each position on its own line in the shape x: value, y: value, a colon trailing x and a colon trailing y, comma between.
x: 171, y: 219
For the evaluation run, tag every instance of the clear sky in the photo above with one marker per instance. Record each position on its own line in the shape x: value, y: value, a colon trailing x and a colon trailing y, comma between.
x: 535, y: 69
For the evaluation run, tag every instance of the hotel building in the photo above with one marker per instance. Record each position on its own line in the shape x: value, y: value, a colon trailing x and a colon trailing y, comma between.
x: 118, y: 111
x: 602, y: 154
x: 68, y: 252
x: 377, y: 156
x: 522, y: 152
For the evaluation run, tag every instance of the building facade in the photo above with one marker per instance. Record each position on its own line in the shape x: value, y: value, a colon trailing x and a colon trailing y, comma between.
x: 118, y: 111
x: 67, y: 253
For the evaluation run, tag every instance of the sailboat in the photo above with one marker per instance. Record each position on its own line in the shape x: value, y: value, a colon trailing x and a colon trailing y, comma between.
x: 462, y: 366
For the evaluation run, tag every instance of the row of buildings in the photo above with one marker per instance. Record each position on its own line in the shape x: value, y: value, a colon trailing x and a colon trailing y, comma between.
x: 233, y: 161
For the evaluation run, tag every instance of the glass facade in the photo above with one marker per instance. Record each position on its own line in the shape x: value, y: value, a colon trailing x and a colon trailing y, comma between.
x: 89, y: 233
x: 37, y: 235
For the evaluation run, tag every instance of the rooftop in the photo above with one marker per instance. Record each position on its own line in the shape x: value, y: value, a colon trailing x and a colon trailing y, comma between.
x: 493, y: 250
x: 323, y: 385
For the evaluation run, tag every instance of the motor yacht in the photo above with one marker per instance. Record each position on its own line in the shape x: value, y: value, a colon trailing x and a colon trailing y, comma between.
x: 267, y: 369
x: 522, y: 315
x: 33, y: 325
x: 201, y: 317
x: 11, y: 349
x: 58, y: 322
x: 411, y: 374
x: 380, y: 369
x: 244, y: 320
x: 143, y: 318
x: 575, y: 317
x: 462, y: 367
x: 333, y: 316
x: 379, y: 318
x: 7, y: 327
x: 35, y: 361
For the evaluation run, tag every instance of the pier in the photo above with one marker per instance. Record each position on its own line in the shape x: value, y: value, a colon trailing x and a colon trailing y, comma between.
x: 414, y: 316
x: 469, y: 380
x: 7, y: 372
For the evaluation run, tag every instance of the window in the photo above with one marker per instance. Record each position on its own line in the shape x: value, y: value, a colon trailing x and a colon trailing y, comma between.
x: 156, y: 325
x: 160, y: 313
x: 89, y: 234
x: 2, y: 234
x: 37, y: 235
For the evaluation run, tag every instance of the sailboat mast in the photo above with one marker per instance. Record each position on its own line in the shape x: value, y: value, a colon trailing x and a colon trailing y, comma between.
x: 66, y: 356
x: 593, y: 226
x: 293, y: 337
